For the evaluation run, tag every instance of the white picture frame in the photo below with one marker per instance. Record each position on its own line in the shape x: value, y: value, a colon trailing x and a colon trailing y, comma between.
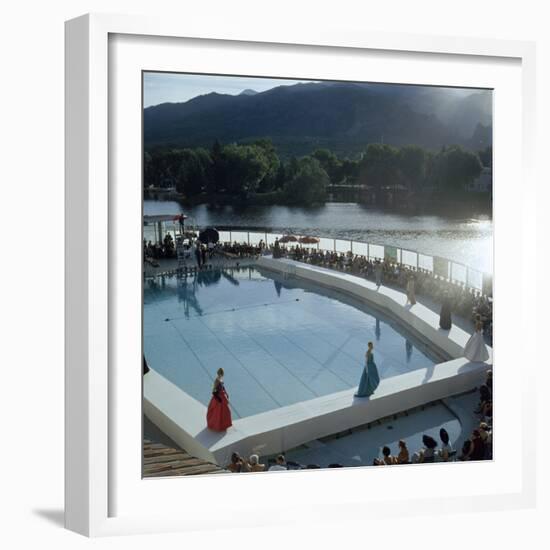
x: 99, y: 501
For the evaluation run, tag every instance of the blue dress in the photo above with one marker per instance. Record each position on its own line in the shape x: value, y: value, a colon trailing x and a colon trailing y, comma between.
x: 369, y: 379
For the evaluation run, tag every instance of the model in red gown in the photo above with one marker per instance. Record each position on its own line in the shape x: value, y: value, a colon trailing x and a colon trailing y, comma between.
x: 218, y: 416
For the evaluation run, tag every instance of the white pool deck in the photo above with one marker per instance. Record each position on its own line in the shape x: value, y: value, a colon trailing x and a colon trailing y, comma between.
x: 183, y: 418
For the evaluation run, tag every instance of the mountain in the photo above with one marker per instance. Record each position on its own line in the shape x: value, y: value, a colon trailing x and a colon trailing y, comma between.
x: 248, y: 91
x: 342, y: 116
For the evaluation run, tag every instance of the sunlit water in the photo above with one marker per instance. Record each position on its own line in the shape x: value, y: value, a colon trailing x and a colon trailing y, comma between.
x: 468, y: 241
x: 280, y: 341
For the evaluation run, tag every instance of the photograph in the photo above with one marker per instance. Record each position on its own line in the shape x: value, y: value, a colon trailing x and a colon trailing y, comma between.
x: 317, y: 282
x: 264, y: 314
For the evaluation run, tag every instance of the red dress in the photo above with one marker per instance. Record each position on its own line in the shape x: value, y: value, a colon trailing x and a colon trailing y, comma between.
x: 218, y: 416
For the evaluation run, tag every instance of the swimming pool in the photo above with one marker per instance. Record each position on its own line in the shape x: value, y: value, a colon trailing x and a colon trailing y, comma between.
x: 280, y: 341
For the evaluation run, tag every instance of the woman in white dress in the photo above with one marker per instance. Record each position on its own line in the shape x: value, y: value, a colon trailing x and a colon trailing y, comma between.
x: 475, y: 349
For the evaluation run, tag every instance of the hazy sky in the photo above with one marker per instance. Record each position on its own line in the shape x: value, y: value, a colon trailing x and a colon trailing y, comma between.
x: 176, y: 88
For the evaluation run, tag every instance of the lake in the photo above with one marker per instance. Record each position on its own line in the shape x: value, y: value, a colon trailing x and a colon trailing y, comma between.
x: 464, y: 240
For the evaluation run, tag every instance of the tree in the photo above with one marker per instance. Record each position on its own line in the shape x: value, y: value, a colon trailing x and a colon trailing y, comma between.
x: 453, y: 168
x: 412, y: 163
x: 292, y: 168
x: 245, y: 166
x: 309, y: 182
x: 281, y: 176
x: 149, y: 176
x: 349, y: 171
x: 269, y: 181
x: 218, y: 174
x: 195, y: 171
x: 379, y: 166
x: 329, y: 161
x: 161, y: 167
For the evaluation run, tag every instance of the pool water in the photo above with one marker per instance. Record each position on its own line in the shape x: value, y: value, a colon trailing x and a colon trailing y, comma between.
x: 280, y: 341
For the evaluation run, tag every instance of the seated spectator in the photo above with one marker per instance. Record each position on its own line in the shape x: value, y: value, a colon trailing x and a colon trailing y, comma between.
x: 427, y: 453
x: 254, y: 464
x: 484, y: 398
x: 237, y: 464
x: 487, y: 411
x: 466, y: 450
x: 485, y: 407
x: 403, y: 455
x: 489, y: 381
x: 487, y: 438
x: 388, y: 459
x: 280, y: 464
x: 477, y: 448
x: 446, y: 449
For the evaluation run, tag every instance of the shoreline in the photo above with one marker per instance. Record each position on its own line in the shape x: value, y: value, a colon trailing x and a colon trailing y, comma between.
x: 434, y: 205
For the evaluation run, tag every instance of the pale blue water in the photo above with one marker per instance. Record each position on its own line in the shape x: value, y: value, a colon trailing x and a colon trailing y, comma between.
x: 279, y: 341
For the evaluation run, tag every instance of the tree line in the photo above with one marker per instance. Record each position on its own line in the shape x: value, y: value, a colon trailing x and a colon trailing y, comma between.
x: 243, y: 170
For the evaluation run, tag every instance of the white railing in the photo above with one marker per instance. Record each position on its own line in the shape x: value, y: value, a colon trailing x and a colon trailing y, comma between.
x: 443, y: 267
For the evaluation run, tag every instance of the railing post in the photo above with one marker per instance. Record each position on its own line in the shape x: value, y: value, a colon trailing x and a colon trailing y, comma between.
x: 334, y: 244
x: 248, y: 237
x: 351, y: 246
x: 230, y: 237
x: 368, y: 251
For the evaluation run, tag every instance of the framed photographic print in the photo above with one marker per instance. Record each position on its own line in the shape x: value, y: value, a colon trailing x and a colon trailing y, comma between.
x: 287, y: 275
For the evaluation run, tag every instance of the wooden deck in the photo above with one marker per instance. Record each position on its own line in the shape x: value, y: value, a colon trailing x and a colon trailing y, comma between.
x: 160, y: 460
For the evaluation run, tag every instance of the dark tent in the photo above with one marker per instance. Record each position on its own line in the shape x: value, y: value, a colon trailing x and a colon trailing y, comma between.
x: 209, y: 235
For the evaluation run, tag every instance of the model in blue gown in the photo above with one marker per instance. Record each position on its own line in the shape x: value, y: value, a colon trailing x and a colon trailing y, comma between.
x: 370, y: 377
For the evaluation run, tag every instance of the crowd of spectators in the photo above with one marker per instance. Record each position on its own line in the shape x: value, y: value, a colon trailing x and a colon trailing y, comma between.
x: 192, y: 251
x: 155, y: 251
x: 278, y: 464
x: 239, y: 464
x: 485, y: 406
x: 478, y: 446
x: 241, y: 250
x: 466, y: 302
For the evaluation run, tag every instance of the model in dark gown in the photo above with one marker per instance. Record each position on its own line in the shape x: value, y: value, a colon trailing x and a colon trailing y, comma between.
x: 445, y: 321
x: 369, y: 377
